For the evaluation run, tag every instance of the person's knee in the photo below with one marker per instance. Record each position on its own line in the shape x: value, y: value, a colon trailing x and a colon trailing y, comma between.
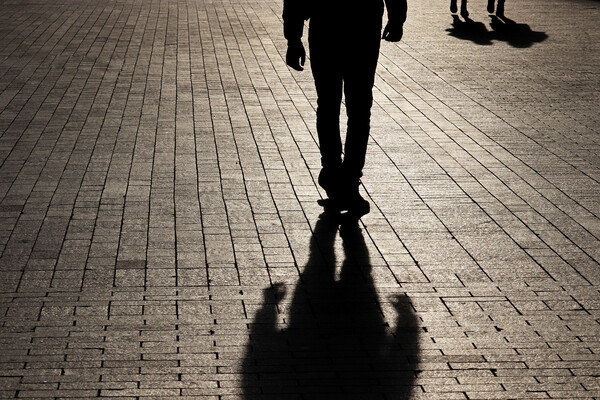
x: 359, y: 111
x: 328, y: 105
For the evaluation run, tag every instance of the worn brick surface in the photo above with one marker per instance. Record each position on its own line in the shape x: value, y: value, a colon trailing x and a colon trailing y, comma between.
x: 159, y: 229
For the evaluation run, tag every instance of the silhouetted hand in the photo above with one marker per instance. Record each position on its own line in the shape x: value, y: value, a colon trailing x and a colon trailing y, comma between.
x: 393, y: 31
x: 296, y: 55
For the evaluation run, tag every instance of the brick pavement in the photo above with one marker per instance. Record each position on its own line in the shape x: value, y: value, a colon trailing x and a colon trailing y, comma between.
x: 160, y: 236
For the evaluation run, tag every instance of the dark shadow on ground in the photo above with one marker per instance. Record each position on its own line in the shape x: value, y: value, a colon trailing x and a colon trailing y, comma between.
x: 503, y: 29
x: 516, y: 35
x: 336, y: 344
x: 468, y: 29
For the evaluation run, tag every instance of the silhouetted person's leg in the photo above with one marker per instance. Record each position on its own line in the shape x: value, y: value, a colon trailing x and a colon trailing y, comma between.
x: 463, y: 9
x: 453, y: 6
x: 359, y: 77
x: 500, y: 8
x: 490, y: 6
x: 344, y: 39
x: 343, y: 59
x: 326, y: 64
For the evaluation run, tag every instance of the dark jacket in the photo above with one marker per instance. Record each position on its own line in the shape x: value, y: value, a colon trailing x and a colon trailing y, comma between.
x: 350, y: 14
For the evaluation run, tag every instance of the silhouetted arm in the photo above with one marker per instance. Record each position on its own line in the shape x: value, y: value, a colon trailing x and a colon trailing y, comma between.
x: 293, y: 19
x: 293, y: 25
x: 396, y: 10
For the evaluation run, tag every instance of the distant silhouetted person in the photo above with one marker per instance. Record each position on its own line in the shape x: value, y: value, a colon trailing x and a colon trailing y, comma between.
x: 497, y: 4
x: 463, y: 8
x: 499, y: 7
x: 344, y: 39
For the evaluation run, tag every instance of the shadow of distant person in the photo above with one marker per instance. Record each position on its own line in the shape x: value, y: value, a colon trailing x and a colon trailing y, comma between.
x: 516, y: 35
x: 336, y: 344
x: 468, y: 29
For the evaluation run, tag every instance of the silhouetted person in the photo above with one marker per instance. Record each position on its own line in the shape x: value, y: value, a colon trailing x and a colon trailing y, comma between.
x: 497, y: 4
x: 343, y: 38
x: 499, y: 7
x: 463, y: 8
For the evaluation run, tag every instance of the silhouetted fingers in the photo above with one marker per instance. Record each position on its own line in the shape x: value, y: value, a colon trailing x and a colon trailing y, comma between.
x: 294, y: 61
x: 295, y: 65
x: 386, y: 31
x: 295, y: 56
x: 392, y: 32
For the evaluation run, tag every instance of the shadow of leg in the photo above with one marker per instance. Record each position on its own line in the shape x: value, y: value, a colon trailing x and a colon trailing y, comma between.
x: 333, y: 342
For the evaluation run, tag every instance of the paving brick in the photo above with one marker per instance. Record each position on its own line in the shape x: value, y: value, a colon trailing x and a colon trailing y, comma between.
x: 160, y: 236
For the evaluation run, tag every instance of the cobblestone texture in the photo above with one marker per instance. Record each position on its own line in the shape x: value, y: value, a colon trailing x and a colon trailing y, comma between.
x: 159, y: 229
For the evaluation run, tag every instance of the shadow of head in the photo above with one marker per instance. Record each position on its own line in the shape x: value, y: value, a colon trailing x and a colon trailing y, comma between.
x: 469, y: 30
x: 516, y: 35
x: 337, y: 338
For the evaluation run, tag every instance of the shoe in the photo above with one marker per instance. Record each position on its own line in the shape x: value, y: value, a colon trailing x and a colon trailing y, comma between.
x: 352, y: 201
x: 357, y: 206
x: 330, y: 180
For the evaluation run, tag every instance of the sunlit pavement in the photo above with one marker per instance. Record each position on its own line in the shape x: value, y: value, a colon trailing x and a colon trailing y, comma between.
x: 161, y: 237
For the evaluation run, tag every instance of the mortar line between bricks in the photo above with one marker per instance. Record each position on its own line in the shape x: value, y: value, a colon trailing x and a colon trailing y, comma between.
x: 223, y: 95
x: 136, y: 143
x: 48, y: 209
x: 481, y: 208
x: 362, y: 224
x: 489, y: 215
x: 258, y: 147
x: 176, y: 135
x: 492, y: 219
x: 37, y: 38
x: 41, y: 103
x: 479, y: 104
x: 447, y: 198
x: 271, y: 130
x: 109, y: 106
x: 196, y: 142
x: 289, y: 128
x: 504, y: 121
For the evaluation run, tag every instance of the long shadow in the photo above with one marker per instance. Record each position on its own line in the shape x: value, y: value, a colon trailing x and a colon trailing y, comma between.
x: 336, y: 344
x: 468, y: 29
x: 516, y: 35
x: 503, y: 29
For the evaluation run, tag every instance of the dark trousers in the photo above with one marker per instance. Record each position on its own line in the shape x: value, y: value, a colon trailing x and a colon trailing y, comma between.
x: 343, y: 60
